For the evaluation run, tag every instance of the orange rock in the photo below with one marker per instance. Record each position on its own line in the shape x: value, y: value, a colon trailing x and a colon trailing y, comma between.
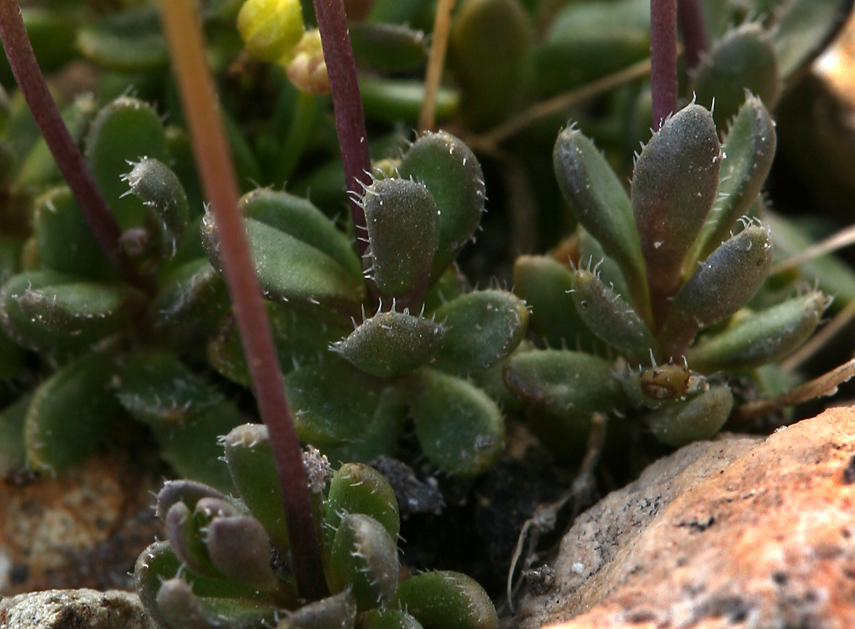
x: 767, y: 540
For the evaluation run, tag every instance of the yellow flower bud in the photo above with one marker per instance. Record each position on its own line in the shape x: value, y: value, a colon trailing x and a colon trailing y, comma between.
x: 271, y: 28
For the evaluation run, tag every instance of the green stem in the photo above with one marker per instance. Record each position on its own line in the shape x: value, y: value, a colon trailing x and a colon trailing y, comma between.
x: 199, y: 100
x: 22, y: 59
x: 298, y: 136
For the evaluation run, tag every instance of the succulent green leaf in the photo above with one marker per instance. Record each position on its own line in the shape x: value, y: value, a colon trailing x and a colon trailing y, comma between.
x: 591, y: 253
x: 240, y: 549
x: 163, y: 196
x: 700, y: 417
x: 299, y: 340
x: 723, y: 284
x: 391, y: 343
x: 70, y: 413
x: 13, y: 452
x: 382, y: 433
x: 673, y: 188
x: 128, y: 41
x: 602, y: 206
x: 482, y: 328
x: 608, y: 315
x: 186, y: 540
x: 44, y: 310
x: 156, y: 386
x: 545, y: 285
x: 182, y: 609
x: 586, y: 41
x: 389, y: 47
x: 364, y: 559
x: 253, y: 470
x: 123, y: 133
x: 450, y: 285
x: 389, y: 619
x: 333, y: 612
x: 333, y: 402
x: 460, y: 429
x: 453, y: 176
x: 491, y: 44
x: 396, y: 100
x: 446, y: 600
x: 359, y: 488
x: 743, y: 60
x: 565, y: 383
x: 398, y: 11
x: 39, y: 166
x: 762, y: 337
x: 403, y: 225
x: 190, y: 302
x: 65, y: 239
x: 300, y: 218
x: 747, y: 155
x: 293, y: 272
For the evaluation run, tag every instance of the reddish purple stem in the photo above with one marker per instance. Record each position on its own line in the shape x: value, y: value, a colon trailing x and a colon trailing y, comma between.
x: 663, y: 59
x: 347, y: 104
x: 692, y: 30
x: 22, y: 59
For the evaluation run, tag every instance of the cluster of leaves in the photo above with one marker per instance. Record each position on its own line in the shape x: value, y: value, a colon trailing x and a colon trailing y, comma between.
x: 662, y: 277
x: 351, y: 389
x: 227, y: 560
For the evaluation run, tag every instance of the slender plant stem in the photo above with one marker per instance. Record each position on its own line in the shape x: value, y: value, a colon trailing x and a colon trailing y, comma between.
x: 691, y: 21
x: 22, y: 59
x: 663, y: 59
x: 557, y: 104
x: 347, y: 104
x: 436, y: 62
x: 199, y: 99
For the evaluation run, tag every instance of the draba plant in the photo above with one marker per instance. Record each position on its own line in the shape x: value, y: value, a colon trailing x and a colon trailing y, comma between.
x: 662, y: 279
x: 368, y: 333
x: 226, y: 560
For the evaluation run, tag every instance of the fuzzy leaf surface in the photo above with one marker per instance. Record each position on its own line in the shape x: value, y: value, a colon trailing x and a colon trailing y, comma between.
x: 747, y: 155
x: 723, y: 283
x: 453, y: 176
x: 602, y: 206
x: 763, y: 337
x: 698, y: 418
x: 673, y: 188
x: 460, y: 429
x: 483, y: 328
x: 403, y: 225
x: 446, y: 600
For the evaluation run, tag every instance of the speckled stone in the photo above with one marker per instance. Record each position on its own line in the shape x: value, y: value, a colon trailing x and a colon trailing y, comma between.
x: 74, y: 609
x: 732, y: 533
x: 84, y: 528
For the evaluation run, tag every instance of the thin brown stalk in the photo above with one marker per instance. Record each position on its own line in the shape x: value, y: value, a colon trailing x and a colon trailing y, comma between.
x: 822, y: 386
x: 33, y: 86
x: 436, y: 62
x: 347, y: 105
x: 841, y: 239
x: 663, y: 57
x: 557, y: 104
x: 199, y: 98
